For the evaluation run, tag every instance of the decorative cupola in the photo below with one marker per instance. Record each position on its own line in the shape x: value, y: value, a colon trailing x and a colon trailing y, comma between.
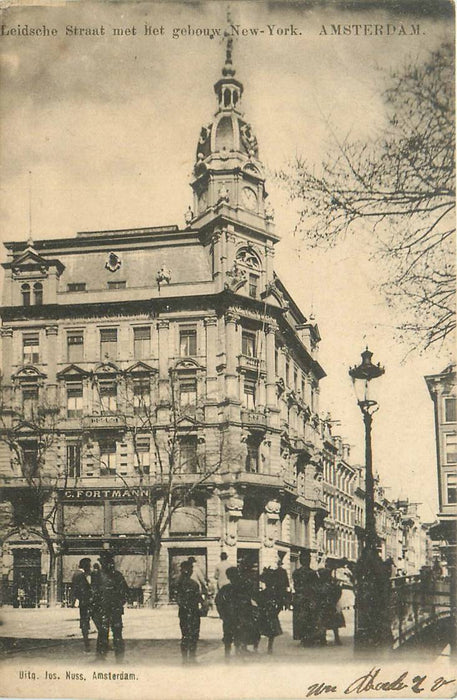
x: 228, y: 175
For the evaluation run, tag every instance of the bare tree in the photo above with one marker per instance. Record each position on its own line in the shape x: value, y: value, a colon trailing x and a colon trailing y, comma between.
x: 174, y: 477
x: 30, y: 432
x: 401, y: 185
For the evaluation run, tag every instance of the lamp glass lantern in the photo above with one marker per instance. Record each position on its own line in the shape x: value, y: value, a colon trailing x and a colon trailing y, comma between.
x: 362, y: 376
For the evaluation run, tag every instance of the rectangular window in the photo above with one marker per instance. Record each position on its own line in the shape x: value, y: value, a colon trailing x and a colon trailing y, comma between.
x: 450, y: 406
x: 188, y: 342
x: 30, y: 348
x: 143, y: 460
x: 253, y: 286
x: 276, y: 361
x: 108, y: 344
x: 117, y: 284
x: 108, y: 396
x: 188, y: 454
x: 107, y: 457
x: 287, y: 373
x: 76, y: 287
x: 249, y: 388
x: 141, y: 342
x: 73, y: 460
x: 187, y: 391
x: 451, y: 448
x: 141, y: 396
x: 74, y: 399
x: 295, y: 379
x: 29, y: 400
x: 451, y: 489
x: 29, y: 458
x: 248, y: 344
x: 75, y: 346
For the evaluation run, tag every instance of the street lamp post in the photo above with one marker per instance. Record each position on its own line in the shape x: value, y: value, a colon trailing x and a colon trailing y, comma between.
x: 372, y: 585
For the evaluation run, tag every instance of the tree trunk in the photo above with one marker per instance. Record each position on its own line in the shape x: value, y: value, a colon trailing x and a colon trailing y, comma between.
x: 52, y: 579
x: 155, y: 565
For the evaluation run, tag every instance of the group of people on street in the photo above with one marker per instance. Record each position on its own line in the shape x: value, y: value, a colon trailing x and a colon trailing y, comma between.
x: 102, y: 593
x: 248, y: 611
x: 316, y: 604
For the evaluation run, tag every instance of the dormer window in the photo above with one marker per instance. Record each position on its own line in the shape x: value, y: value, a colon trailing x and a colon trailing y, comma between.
x: 38, y: 294
x: 25, y: 291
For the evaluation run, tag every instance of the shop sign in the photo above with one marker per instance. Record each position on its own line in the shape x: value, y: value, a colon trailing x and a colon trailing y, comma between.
x: 95, y: 494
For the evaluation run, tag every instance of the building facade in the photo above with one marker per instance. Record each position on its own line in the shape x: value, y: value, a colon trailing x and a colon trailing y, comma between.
x: 147, y: 365
x: 442, y: 389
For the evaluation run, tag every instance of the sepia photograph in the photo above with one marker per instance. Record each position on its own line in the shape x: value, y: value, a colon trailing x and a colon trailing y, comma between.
x: 228, y: 407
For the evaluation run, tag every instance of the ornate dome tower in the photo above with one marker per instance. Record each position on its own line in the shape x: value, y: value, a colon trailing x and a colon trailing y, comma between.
x: 227, y: 170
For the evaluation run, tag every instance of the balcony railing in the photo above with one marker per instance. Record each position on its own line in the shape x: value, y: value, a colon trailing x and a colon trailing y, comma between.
x: 253, y: 417
x: 254, y: 364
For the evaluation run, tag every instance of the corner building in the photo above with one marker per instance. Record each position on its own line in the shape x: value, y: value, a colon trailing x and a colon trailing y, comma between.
x: 189, y: 322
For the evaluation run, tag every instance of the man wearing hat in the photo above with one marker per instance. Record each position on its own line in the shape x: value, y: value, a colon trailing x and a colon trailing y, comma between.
x: 110, y: 592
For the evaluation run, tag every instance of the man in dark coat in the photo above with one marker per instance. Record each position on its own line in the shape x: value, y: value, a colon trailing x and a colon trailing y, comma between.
x: 227, y: 607
x: 110, y: 594
x: 81, y: 591
x: 189, y: 599
x: 305, y: 601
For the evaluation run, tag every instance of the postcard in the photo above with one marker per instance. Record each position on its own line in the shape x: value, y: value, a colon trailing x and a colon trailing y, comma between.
x: 228, y: 463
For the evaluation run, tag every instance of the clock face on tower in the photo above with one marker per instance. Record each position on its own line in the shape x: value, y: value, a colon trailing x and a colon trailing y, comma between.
x: 202, y: 201
x: 249, y: 198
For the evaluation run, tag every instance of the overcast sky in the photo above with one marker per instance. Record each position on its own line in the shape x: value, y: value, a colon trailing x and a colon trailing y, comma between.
x: 109, y: 125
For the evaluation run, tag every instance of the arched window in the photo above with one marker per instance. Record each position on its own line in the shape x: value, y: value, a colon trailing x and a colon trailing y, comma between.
x: 37, y: 293
x: 25, y: 291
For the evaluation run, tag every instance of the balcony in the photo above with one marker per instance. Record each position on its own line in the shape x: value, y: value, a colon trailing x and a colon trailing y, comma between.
x: 253, y: 418
x: 252, y: 364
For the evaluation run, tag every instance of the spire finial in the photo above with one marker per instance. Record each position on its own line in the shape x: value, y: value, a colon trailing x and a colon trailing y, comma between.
x: 228, y: 69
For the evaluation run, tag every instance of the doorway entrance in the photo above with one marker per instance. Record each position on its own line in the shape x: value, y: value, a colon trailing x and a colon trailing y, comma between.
x: 26, y: 577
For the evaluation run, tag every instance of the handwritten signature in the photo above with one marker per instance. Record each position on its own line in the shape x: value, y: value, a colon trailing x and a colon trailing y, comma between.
x: 372, y: 681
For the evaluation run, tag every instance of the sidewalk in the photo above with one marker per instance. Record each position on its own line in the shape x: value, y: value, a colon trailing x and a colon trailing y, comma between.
x: 151, y: 636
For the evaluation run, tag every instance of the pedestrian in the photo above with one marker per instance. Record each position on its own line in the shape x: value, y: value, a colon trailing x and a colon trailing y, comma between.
x: 189, y: 601
x: 82, y: 592
x: 110, y: 594
x: 220, y: 572
x: 305, y: 602
x: 270, y: 602
x: 282, y: 582
x: 330, y: 616
x: 247, y: 624
x: 227, y: 607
